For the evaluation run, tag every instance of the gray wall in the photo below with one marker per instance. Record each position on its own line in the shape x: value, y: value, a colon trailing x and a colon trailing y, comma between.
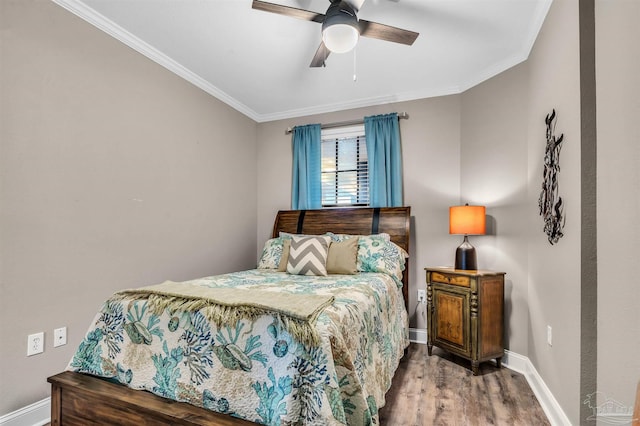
x: 114, y: 173
x: 430, y: 151
x: 494, y: 173
x: 618, y: 209
x: 503, y: 144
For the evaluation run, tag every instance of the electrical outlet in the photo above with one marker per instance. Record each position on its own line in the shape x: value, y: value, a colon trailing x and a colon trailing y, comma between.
x: 549, y: 336
x: 59, y: 337
x: 35, y: 343
x: 422, y: 296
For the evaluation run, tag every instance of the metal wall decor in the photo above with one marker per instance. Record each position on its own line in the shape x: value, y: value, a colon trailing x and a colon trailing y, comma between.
x: 550, y: 202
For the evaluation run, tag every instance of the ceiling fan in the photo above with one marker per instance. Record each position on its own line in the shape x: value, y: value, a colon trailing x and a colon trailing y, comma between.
x: 341, y: 27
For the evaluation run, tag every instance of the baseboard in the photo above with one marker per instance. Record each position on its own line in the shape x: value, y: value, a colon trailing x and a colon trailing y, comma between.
x: 36, y: 414
x: 418, y: 335
x: 39, y: 413
x: 523, y: 365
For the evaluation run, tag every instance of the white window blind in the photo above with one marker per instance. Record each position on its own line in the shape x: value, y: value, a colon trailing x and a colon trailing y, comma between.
x: 345, y: 178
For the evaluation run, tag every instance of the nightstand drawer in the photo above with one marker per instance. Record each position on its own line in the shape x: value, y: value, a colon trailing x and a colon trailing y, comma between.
x: 460, y: 280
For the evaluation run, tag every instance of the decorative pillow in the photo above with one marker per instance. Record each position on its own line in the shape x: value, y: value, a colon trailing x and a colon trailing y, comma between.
x: 342, y: 257
x: 308, y: 255
x: 271, y: 254
x: 375, y: 254
x: 286, y: 245
x: 286, y: 241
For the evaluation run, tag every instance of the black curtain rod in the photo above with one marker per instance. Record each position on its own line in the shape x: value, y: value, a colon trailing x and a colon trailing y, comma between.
x: 401, y: 115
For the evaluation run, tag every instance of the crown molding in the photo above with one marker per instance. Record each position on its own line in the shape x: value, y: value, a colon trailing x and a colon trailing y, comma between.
x: 361, y: 103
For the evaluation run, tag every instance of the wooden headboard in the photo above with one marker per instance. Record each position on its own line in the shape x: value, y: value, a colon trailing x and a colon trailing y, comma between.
x: 394, y: 221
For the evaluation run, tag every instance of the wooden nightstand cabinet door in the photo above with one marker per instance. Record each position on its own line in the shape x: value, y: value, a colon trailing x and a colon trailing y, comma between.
x: 451, y: 319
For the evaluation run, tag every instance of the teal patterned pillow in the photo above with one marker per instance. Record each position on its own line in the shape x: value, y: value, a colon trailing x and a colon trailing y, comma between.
x: 271, y: 254
x: 377, y: 254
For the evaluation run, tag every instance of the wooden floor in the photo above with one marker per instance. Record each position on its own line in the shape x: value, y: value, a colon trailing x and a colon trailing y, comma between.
x: 441, y: 390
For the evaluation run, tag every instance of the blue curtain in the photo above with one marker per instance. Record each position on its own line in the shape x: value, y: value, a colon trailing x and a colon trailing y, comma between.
x: 306, y: 191
x: 385, y: 160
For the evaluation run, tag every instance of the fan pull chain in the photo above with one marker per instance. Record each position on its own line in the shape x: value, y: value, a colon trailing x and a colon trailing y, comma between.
x: 355, y: 77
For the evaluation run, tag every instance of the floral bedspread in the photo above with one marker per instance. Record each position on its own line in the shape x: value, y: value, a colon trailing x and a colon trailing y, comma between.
x: 254, y: 369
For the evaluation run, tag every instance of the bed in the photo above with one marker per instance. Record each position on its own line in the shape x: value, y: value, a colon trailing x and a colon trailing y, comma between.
x: 307, y: 349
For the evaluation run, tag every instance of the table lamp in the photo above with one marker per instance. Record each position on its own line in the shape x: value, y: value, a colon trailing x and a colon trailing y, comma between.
x: 467, y: 220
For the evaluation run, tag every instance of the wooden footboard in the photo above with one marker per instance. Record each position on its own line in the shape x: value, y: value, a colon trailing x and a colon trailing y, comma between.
x: 79, y: 399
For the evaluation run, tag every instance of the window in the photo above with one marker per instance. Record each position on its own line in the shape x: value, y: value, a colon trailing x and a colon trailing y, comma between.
x: 345, y: 177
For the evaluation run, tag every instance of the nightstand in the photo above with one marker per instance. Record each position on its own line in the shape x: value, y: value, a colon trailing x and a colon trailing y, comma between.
x: 465, y: 313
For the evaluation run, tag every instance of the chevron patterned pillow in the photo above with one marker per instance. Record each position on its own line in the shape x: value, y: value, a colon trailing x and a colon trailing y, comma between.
x: 308, y: 255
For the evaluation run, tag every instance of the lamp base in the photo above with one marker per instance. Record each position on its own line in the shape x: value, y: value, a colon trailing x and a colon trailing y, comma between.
x: 466, y: 256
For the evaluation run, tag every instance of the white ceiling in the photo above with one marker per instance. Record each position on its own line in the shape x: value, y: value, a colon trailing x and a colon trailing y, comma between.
x: 258, y: 62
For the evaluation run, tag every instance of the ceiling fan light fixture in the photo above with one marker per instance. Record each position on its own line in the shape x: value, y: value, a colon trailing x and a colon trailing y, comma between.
x: 340, y: 38
x: 340, y: 31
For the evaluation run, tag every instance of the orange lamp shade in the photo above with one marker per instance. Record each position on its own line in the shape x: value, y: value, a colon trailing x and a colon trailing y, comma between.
x: 468, y: 220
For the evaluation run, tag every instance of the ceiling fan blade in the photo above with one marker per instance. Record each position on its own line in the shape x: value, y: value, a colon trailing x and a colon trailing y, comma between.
x: 321, y: 55
x: 386, y: 32
x: 305, y: 15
